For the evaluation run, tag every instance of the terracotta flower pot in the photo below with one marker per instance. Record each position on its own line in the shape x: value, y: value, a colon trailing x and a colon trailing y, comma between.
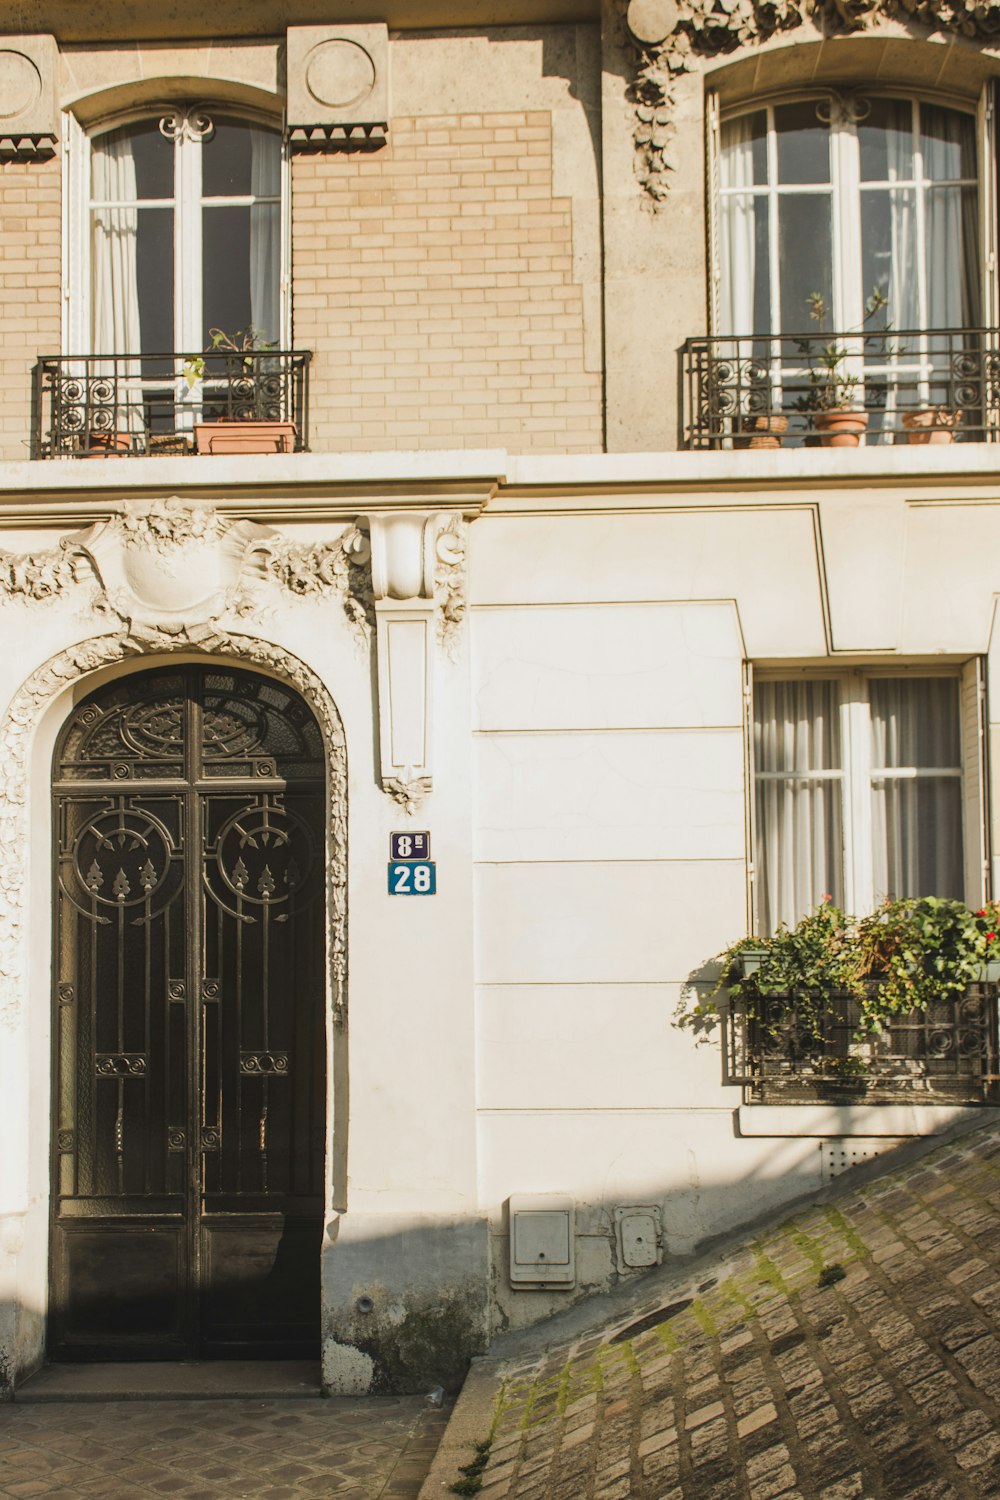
x: 935, y: 424
x: 840, y: 428
x: 244, y: 437
x: 107, y: 444
x: 768, y: 430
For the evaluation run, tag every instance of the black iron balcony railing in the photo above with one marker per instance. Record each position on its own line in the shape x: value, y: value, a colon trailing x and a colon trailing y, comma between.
x: 101, y: 404
x: 939, y: 386
x: 800, y: 1049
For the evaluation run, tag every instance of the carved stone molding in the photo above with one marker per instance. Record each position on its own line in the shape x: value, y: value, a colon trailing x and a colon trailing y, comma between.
x: 342, y: 566
x: 338, y: 87
x: 169, y: 566
x: 418, y: 584
x: 29, y: 66
x: 449, y: 583
x: 670, y: 37
x: 170, y: 569
x: 40, y: 575
x: 17, y: 730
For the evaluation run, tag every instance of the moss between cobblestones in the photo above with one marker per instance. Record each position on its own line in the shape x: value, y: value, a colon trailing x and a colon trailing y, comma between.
x: 773, y: 1283
x: 732, y: 1302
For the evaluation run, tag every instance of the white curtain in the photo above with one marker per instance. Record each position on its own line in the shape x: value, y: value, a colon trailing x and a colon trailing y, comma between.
x: 799, y: 855
x: 948, y: 139
x: 916, y: 820
x: 903, y: 290
x: 737, y: 236
x: 265, y: 234
x: 114, y: 299
x: 114, y: 283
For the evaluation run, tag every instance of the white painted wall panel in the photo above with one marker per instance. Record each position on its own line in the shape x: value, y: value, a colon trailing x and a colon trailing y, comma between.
x: 630, y: 922
x: 763, y: 556
x: 610, y: 666
x: 644, y: 795
x: 592, y: 1046
x: 687, y: 1161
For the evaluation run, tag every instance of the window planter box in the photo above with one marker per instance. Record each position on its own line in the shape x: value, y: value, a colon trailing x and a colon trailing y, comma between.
x: 787, y: 1049
x: 244, y: 437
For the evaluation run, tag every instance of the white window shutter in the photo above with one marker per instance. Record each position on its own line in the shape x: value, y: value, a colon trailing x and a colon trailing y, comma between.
x: 974, y: 830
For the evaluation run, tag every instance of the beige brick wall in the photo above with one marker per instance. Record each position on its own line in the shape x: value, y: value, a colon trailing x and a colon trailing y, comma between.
x: 30, y: 285
x: 434, y: 282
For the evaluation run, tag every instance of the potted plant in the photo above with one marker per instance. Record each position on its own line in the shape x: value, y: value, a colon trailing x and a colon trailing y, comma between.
x: 818, y: 1002
x: 833, y: 398
x: 932, y: 424
x: 253, y: 431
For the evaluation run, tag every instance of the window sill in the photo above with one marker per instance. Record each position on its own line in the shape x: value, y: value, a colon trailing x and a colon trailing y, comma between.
x: 827, y: 1120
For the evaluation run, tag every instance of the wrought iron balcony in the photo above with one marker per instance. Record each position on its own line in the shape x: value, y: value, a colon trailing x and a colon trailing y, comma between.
x: 795, y: 1050
x: 939, y: 386
x: 130, y: 405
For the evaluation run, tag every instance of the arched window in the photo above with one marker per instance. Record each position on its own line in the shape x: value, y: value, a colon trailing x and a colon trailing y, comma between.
x: 844, y: 197
x: 839, y: 218
x: 183, y: 234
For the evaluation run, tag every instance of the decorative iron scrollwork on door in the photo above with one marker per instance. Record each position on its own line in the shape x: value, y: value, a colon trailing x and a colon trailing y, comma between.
x: 190, y: 814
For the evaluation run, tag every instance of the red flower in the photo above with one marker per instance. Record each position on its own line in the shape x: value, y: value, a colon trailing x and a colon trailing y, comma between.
x: 990, y: 937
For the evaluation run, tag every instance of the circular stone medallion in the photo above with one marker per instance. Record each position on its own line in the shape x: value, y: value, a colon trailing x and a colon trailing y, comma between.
x: 652, y: 21
x: 20, y: 84
x: 339, y: 73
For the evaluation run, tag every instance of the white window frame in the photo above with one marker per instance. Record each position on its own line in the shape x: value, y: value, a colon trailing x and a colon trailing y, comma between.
x: 188, y: 205
x: 858, y: 770
x: 845, y: 187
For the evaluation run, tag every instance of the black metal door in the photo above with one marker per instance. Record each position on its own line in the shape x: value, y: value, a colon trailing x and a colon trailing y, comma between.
x: 189, y: 1040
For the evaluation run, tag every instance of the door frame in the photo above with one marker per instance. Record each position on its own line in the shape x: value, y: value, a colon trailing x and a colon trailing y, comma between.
x: 198, y: 795
x: 28, y: 734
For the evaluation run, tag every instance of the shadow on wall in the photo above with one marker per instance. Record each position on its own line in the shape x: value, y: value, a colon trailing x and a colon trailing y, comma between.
x: 405, y: 1307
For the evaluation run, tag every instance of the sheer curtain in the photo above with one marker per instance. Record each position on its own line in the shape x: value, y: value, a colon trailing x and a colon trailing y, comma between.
x: 903, y: 290
x: 265, y: 234
x: 799, y: 798
x: 916, y: 818
x: 952, y: 234
x: 114, y: 280
x: 737, y: 237
x: 115, y: 321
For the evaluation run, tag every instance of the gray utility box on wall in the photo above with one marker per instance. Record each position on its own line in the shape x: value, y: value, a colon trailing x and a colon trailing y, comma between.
x: 541, y: 1240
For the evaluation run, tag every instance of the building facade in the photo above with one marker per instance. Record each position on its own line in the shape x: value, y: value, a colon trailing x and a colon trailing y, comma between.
x: 435, y: 624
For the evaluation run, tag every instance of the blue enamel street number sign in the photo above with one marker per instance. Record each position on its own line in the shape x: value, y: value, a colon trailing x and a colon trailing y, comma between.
x: 409, y: 846
x: 412, y: 877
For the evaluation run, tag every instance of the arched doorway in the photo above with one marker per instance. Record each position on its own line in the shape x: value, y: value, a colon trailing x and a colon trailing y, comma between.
x: 189, y: 1099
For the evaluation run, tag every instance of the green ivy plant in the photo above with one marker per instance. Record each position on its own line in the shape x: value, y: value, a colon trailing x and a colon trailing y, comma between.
x: 906, y: 955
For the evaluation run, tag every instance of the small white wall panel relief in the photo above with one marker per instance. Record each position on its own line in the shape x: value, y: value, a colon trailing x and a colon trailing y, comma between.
x: 28, y: 106
x: 338, y: 86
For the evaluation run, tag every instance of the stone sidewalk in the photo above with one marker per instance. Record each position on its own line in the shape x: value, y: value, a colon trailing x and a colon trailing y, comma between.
x: 848, y: 1353
x: 277, y: 1449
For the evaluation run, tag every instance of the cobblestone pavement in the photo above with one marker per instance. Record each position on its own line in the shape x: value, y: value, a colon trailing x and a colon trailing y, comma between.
x: 218, y: 1450
x: 849, y: 1353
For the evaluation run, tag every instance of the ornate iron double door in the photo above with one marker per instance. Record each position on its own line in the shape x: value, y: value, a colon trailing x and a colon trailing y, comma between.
x: 188, y: 1136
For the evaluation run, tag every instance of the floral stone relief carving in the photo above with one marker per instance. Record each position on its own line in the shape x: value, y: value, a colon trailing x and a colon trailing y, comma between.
x: 670, y: 37
x: 170, y: 569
